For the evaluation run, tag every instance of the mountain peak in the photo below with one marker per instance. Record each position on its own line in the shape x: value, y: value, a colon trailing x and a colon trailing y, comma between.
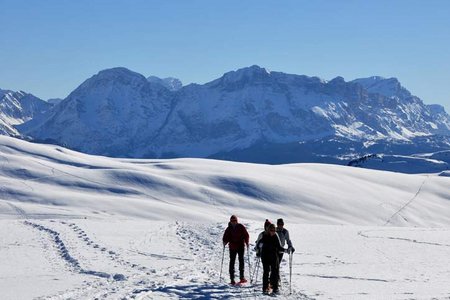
x: 171, y: 83
x: 244, y: 76
x: 388, y: 87
x: 338, y: 79
x: 17, y: 108
x: 437, y: 109
x: 375, y: 80
x: 118, y: 72
x: 114, y: 76
x: 252, y: 70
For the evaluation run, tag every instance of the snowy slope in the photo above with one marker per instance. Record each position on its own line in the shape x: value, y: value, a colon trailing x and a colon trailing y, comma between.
x: 85, y: 227
x: 161, y: 189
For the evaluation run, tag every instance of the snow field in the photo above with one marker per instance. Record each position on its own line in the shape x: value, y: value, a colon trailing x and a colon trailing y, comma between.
x: 75, y: 226
x: 138, y: 259
x: 203, y: 190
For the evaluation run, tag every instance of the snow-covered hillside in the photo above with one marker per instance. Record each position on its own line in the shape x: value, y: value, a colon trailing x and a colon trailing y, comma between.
x: 85, y: 227
x: 121, y: 113
x: 180, y: 188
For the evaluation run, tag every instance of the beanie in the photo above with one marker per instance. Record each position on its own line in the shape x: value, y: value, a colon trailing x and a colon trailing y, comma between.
x: 266, y: 224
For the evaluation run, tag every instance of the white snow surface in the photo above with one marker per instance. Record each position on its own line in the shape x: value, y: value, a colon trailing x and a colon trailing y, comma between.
x: 76, y: 226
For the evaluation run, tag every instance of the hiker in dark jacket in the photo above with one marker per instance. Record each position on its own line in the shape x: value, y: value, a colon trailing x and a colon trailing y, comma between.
x: 261, y: 234
x: 270, y: 245
x: 237, y: 237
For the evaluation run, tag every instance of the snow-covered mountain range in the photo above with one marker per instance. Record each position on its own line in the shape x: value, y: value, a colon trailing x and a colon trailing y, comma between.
x: 17, y: 108
x: 251, y: 114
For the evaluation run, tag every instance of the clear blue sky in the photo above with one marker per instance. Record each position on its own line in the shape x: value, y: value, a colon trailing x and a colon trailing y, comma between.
x: 49, y: 47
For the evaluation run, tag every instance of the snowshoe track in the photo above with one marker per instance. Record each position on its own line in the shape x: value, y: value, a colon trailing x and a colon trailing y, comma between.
x: 108, y: 253
x: 104, y: 285
x: 195, y: 275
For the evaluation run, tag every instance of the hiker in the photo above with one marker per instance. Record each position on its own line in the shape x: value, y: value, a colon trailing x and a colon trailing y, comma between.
x: 270, y: 245
x: 237, y: 237
x: 283, y: 234
x: 266, y: 228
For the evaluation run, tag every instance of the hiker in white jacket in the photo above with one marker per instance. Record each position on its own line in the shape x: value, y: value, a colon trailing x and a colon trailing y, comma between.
x: 283, y: 233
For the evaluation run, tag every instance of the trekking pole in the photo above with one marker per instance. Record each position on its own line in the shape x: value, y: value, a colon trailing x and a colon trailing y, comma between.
x: 249, y: 265
x: 221, y: 265
x: 291, y: 255
x: 257, y: 269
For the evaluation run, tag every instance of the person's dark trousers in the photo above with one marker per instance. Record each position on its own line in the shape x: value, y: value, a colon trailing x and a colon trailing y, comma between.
x: 240, y: 253
x: 270, y: 271
x: 280, y: 258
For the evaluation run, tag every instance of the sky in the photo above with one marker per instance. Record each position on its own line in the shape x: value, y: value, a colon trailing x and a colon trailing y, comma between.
x: 50, y: 47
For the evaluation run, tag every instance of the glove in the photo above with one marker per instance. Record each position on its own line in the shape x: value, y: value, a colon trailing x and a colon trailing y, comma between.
x: 291, y: 249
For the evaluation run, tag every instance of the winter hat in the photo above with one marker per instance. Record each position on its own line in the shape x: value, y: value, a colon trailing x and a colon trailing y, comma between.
x: 280, y: 222
x: 266, y: 224
x: 233, y: 217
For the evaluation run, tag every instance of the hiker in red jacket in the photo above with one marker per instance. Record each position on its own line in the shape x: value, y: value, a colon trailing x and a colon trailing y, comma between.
x: 237, y: 237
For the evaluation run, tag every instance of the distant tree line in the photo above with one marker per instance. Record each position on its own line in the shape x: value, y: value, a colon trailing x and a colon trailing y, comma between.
x: 358, y: 162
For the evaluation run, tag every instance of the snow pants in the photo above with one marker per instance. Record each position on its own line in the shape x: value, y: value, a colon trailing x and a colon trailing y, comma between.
x: 270, y: 272
x: 240, y: 253
x: 280, y: 258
